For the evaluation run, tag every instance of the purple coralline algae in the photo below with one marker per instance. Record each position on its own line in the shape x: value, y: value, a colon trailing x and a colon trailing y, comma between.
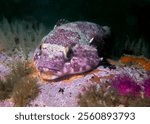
x: 69, y: 49
x: 65, y: 94
x: 6, y: 103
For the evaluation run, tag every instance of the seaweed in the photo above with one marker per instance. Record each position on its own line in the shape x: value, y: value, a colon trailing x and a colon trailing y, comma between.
x: 95, y: 97
x: 132, y: 47
x: 6, y: 87
x: 20, y: 34
x: 25, y: 91
x: 19, y: 85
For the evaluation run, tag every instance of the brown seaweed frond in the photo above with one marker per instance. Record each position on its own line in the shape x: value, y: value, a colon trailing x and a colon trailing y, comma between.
x: 24, y: 91
x: 106, y: 96
x: 19, y: 85
x: 95, y: 97
x: 6, y: 87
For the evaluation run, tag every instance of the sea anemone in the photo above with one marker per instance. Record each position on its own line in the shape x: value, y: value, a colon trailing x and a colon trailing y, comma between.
x: 125, y: 85
x: 147, y: 87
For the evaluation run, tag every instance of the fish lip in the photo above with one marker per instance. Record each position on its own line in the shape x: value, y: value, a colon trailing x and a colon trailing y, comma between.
x: 47, y: 69
x: 48, y: 76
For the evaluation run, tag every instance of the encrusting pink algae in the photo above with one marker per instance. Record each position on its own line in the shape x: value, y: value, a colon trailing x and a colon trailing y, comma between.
x: 66, y: 64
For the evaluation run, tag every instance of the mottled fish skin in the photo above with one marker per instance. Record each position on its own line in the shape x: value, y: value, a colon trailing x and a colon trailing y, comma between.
x: 67, y: 50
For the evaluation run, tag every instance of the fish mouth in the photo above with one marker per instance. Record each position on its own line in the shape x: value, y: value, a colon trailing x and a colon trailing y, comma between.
x: 46, y: 73
x: 47, y: 69
x: 48, y: 76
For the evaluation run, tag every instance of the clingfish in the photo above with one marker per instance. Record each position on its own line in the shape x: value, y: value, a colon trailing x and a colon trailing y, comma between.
x: 70, y: 48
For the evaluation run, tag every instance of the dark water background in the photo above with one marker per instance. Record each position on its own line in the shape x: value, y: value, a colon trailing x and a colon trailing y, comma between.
x: 127, y: 18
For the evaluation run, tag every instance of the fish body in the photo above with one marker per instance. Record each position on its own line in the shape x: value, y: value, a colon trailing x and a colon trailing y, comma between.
x: 69, y: 49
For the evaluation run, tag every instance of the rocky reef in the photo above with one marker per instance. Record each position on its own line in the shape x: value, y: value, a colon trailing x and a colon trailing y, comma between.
x: 124, y: 82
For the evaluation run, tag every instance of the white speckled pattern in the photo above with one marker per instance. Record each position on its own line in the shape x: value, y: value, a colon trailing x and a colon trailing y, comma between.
x: 69, y: 43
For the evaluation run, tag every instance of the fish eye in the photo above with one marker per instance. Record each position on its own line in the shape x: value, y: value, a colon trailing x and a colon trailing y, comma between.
x: 40, y: 46
x: 40, y: 50
x: 69, y: 53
